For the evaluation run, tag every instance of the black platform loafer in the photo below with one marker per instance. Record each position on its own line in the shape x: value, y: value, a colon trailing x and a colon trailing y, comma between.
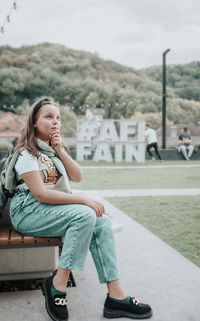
x: 133, y: 309
x: 56, y: 306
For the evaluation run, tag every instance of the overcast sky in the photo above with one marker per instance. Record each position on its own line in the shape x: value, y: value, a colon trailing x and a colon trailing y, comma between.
x: 131, y: 32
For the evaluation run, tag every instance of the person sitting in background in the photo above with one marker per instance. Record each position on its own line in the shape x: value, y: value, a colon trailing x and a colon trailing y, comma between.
x: 184, y: 144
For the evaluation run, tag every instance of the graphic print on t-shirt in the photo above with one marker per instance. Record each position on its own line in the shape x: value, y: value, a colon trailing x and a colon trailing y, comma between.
x: 50, y: 173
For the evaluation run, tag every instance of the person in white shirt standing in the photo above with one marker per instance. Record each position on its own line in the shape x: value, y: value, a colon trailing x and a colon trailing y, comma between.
x: 152, y: 141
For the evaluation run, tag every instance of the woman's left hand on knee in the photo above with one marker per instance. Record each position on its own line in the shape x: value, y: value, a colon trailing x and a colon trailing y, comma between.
x: 97, y: 206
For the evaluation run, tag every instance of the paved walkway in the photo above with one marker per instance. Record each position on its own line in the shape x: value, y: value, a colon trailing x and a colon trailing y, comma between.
x: 141, y: 192
x: 162, y: 165
x: 150, y: 270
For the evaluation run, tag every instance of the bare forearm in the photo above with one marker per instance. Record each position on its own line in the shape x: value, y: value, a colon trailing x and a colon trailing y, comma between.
x: 56, y: 197
x: 72, y: 168
x: 51, y: 196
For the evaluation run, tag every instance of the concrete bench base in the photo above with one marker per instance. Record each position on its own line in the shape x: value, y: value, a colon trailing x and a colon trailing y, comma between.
x: 28, y: 263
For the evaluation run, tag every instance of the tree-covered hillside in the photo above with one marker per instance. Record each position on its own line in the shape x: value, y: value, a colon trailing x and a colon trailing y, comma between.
x: 80, y: 80
x: 185, y: 79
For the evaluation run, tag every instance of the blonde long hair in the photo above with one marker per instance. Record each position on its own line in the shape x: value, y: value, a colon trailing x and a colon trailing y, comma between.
x: 28, y: 139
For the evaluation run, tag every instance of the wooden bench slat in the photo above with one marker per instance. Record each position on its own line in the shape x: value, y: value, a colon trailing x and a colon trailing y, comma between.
x: 29, y: 239
x: 4, y: 235
x: 10, y: 237
x: 15, y: 237
x: 42, y: 239
x: 55, y: 239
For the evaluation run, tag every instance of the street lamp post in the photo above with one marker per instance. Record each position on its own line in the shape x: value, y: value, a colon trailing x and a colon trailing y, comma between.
x: 164, y: 100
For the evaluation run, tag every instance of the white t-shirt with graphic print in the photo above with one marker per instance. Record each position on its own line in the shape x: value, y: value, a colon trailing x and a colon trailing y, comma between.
x: 26, y: 162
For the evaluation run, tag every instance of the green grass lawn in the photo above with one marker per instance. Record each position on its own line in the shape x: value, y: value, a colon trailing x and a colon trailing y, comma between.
x: 174, y: 219
x: 171, y: 177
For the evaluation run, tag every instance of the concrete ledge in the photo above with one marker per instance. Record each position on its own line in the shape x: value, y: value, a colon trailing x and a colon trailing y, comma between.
x: 172, y: 154
x: 166, y: 154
